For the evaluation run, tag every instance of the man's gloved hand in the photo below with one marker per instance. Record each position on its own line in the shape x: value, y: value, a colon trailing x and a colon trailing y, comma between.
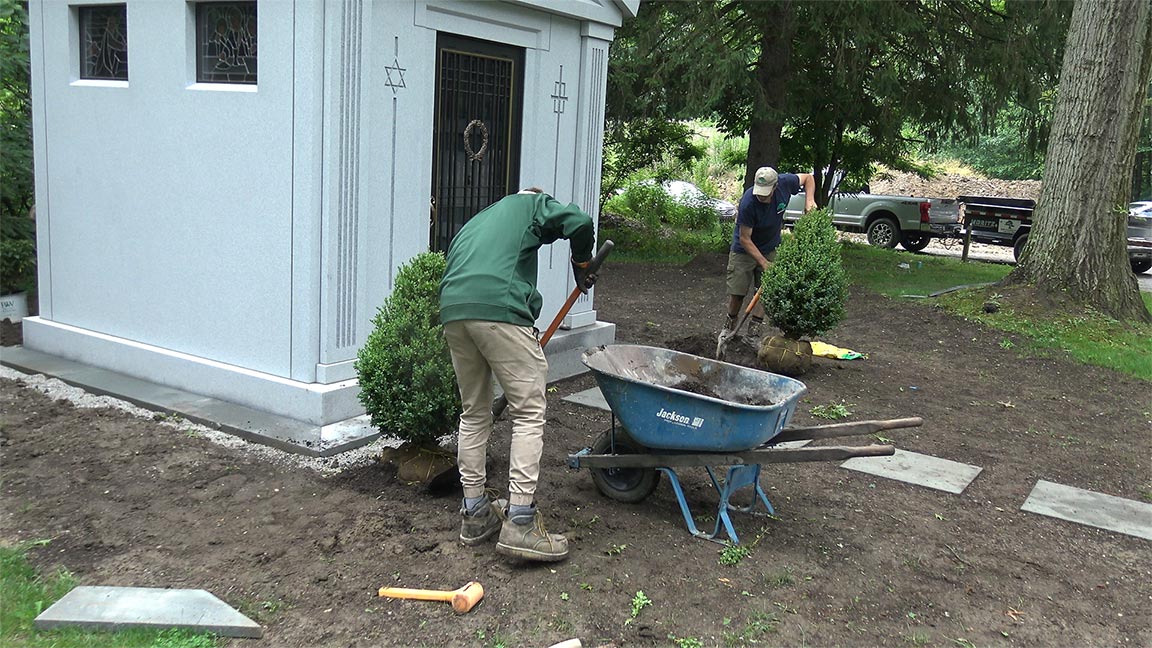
x: 584, y: 279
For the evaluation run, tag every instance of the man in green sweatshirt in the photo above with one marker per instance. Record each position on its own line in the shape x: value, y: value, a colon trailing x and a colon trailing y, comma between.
x: 489, y: 305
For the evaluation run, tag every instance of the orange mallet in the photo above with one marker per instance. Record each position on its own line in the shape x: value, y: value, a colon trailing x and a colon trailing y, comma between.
x: 463, y: 599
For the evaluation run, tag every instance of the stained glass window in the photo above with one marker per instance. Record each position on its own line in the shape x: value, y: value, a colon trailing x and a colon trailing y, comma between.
x: 104, y: 42
x: 226, y: 42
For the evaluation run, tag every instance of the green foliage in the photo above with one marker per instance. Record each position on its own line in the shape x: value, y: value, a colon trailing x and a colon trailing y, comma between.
x: 733, y: 554
x: 686, y: 642
x: 17, y: 265
x: 1012, y: 149
x: 17, y: 231
x: 15, y: 112
x: 668, y: 245
x: 651, y: 225
x: 639, y: 602
x: 635, y: 144
x: 407, y: 384
x: 832, y: 411
x: 720, y: 172
x: 869, y: 70
x: 647, y: 204
x: 805, y: 289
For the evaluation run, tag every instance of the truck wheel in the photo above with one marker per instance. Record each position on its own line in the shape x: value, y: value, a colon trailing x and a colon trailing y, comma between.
x: 884, y: 233
x: 628, y: 485
x: 915, y: 242
x: 1142, y: 265
x: 1018, y: 247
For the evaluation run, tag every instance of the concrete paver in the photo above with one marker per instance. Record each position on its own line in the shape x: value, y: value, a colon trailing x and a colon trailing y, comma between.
x: 589, y: 398
x: 920, y: 469
x: 1093, y: 509
x: 115, y: 608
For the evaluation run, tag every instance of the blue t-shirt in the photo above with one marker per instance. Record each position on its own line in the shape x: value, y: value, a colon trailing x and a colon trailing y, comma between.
x: 765, y: 219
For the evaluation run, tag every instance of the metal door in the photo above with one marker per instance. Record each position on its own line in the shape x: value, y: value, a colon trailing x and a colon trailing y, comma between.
x: 476, y: 139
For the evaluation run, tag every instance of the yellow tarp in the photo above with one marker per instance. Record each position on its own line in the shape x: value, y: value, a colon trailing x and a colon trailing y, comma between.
x: 836, y: 353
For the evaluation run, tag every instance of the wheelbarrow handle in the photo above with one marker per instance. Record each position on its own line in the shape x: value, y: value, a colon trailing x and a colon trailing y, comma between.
x: 593, y: 267
x: 854, y: 428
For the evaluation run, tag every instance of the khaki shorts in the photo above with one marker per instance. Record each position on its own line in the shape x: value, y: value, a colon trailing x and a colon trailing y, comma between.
x: 743, y: 271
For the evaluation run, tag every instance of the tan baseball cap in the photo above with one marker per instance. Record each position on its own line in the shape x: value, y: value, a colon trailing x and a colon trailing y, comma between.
x: 765, y: 181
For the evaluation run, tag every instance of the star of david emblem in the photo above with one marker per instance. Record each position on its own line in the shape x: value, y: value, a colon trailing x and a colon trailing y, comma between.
x: 396, y: 81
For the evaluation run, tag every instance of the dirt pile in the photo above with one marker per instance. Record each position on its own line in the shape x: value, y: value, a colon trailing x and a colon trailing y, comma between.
x: 951, y: 185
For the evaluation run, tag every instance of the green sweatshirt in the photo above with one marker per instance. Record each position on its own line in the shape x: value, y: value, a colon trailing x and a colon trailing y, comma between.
x: 491, y: 272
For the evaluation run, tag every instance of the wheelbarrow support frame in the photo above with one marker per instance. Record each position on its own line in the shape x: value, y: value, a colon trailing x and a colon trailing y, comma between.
x: 744, y: 466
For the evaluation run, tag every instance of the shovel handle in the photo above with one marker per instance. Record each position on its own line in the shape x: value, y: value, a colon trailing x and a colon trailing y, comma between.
x: 593, y: 266
x: 601, y: 255
x: 747, y: 311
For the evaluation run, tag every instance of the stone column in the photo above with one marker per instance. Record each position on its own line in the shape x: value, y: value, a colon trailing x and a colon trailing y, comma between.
x: 594, y: 41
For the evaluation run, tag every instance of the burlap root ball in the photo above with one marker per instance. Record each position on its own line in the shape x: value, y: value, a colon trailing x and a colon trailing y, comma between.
x: 785, y: 356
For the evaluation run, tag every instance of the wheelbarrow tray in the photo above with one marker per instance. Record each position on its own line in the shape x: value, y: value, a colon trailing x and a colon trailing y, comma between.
x: 647, y: 389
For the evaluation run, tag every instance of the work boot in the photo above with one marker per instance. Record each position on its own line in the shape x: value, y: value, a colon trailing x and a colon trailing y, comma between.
x: 754, y: 334
x: 729, y: 324
x: 524, y: 536
x: 483, y: 522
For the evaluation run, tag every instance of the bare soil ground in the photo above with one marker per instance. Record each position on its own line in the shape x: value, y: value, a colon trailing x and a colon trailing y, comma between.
x: 850, y: 560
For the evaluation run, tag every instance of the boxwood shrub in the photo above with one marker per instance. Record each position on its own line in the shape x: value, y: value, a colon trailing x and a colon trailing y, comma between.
x: 407, y: 384
x: 805, y: 289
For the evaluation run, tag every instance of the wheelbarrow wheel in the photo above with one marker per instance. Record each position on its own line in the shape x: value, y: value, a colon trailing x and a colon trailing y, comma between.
x: 628, y: 485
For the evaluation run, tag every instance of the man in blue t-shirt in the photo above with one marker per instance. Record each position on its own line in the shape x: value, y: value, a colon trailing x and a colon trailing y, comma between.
x: 759, y: 219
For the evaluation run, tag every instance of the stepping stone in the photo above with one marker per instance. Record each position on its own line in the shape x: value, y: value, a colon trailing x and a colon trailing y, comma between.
x: 1093, y: 509
x: 919, y: 469
x: 116, y: 608
x: 589, y: 398
x: 793, y: 444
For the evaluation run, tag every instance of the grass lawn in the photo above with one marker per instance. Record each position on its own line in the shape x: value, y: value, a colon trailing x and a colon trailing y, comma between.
x: 1086, y: 335
x: 24, y: 594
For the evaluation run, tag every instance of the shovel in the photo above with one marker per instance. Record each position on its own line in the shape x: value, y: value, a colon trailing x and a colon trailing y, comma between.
x: 726, y: 335
x: 593, y: 268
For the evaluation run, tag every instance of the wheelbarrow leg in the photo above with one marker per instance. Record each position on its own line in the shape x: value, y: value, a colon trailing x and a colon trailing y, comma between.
x: 680, y: 499
x: 738, y: 477
x: 748, y: 476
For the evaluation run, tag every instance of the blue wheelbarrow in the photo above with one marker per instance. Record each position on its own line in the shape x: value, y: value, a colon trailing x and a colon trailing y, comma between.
x: 678, y: 410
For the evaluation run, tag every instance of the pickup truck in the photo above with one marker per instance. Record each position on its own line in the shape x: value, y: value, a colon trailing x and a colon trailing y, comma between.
x: 889, y: 220
x: 1008, y: 221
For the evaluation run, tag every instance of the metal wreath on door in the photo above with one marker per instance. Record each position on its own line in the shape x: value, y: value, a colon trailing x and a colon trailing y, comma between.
x: 476, y: 138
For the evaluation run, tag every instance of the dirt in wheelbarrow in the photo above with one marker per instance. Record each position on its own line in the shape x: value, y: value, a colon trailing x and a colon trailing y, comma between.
x: 849, y: 559
x: 694, y: 386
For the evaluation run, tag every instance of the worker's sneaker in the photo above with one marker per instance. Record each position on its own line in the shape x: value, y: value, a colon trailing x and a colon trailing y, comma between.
x: 483, y: 523
x: 524, y: 537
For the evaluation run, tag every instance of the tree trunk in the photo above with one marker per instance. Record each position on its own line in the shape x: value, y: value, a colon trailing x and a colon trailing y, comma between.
x: 773, y: 69
x: 1077, y: 242
x: 763, y: 147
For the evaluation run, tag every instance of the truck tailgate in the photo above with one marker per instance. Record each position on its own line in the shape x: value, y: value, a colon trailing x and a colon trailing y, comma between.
x: 944, y: 210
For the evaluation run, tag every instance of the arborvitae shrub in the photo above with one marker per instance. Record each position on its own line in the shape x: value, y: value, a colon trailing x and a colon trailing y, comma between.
x: 407, y: 384
x: 805, y: 289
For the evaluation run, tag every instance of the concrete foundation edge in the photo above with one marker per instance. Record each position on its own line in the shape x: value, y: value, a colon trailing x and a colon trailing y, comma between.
x: 320, y: 420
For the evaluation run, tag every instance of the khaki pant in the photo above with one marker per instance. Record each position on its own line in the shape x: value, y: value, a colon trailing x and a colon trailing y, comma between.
x: 481, y: 350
